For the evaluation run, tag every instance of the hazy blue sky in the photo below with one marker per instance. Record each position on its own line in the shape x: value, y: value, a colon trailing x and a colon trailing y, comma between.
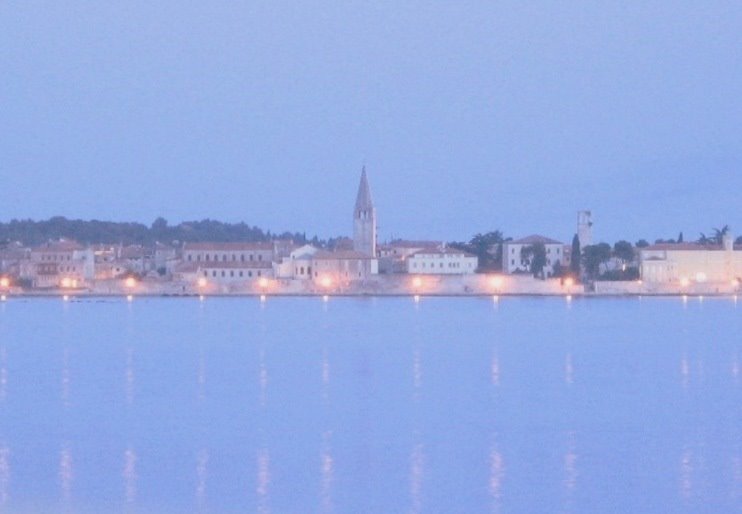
x: 469, y: 115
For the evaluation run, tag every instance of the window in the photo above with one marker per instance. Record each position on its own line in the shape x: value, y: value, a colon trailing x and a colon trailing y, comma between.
x: 231, y: 273
x: 224, y: 257
x: 206, y: 273
x: 223, y: 274
x: 189, y: 257
x: 250, y: 256
x: 213, y: 273
x: 207, y: 257
x: 301, y: 272
x: 198, y: 257
x: 240, y: 273
x: 249, y: 273
x: 242, y: 257
x: 234, y: 257
x: 259, y: 273
x: 260, y: 257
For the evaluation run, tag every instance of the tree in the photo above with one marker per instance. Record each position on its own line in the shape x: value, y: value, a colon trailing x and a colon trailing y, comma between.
x: 680, y: 237
x: 535, y: 254
x: 719, y: 234
x: 624, y: 251
x: 574, y: 265
x: 594, y: 256
x: 642, y: 243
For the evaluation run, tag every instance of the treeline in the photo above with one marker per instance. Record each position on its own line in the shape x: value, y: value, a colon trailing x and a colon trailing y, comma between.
x: 30, y: 232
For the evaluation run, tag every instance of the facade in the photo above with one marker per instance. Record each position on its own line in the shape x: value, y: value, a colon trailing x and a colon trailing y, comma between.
x: 343, y: 267
x: 58, y: 264
x: 364, y: 220
x: 557, y: 254
x: 298, y: 264
x: 442, y: 261
x: 393, y: 256
x: 234, y: 271
x: 210, y: 253
x: 691, y: 262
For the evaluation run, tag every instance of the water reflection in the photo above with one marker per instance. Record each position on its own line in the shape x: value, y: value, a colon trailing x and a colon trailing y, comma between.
x: 495, y: 370
x: 66, y: 378
x: 685, y: 371
x: 737, y: 478
x: 264, y: 481
x: 571, y: 473
x: 129, y: 376
x: 417, y: 475
x: 3, y: 374
x: 497, y: 472
x: 66, y: 473
x: 4, y: 474
x: 569, y: 370
x: 201, y: 376
x: 327, y: 472
x: 417, y: 372
x: 202, y: 461
x: 686, y: 473
x: 130, y: 475
x: 325, y: 376
x: 263, y: 378
x: 735, y: 369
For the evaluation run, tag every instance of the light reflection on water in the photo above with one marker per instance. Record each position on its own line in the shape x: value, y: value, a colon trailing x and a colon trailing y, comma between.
x: 130, y: 475
x: 354, y: 386
x: 66, y: 473
x: 4, y: 474
x: 264, y: 481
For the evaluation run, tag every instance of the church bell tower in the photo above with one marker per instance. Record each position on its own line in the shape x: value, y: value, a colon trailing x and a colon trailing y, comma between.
x: 364, y: 220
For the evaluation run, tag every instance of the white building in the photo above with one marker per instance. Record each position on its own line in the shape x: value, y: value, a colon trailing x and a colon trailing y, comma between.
x: 442, y: 261
x: 692, y: 262
x: 59, y: 264
x: 393, y: 256
x: 298, y: 264
x: 229, y: 252
x: 513, y: 260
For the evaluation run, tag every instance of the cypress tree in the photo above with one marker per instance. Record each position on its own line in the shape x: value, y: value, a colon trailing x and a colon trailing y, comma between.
x: 574, y: 265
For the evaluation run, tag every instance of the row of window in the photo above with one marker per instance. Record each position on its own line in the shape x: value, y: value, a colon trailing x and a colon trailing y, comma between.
x: 215, y: 274
x: 548, y: 250
x: 451, y: 265
x: 300, y: 270
x: 207, y: 257
x: 55, y: 257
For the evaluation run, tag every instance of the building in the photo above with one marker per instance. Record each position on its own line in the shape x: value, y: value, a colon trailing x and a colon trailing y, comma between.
x: 342, y: 267
x: 58, y: 264
x: 393, y: 256
x: 442, y: 261
x: 585, y: 228
x: 234, y: 271
x: 229, y: 252
x: 364, y: 220
x: 684, y: 263
x: 514, y: 260
x: 298, y: 264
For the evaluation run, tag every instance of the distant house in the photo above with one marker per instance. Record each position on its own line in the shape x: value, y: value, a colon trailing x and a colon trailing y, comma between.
x: 343, y: 266
x: 229, y: 252
x: 692, y: 262
x: 442, y: 261
x: 298, y: 264
x: 513, y: 260
x: 393, y: 256
x: 60, y: 263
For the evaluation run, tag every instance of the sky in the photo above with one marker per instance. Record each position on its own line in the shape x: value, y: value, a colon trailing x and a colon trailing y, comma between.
x: 469, y: 116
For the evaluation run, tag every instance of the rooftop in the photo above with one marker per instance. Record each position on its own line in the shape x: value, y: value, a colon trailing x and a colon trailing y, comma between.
x: 534, y: 239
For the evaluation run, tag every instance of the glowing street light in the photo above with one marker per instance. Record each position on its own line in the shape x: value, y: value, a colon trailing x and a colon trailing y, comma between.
x: 130, y: 282
x: 4, y: 282
x: 417, y: 282
x: 326, y: 282
x: 66, y: 282
x: 684, y: 282
x: 263, y: 283
x: 569, y: 282
x: 496, y: 282
x: 201, y: 282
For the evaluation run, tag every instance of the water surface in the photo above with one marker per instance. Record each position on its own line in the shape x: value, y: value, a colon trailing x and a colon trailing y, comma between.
x: 371, y: 405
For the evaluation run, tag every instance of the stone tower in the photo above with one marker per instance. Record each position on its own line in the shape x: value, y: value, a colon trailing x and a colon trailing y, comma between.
x: 585, y: 228
x: 364, y: 219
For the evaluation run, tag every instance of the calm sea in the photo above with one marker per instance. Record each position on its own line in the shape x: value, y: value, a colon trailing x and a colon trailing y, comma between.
x: 299, y: 405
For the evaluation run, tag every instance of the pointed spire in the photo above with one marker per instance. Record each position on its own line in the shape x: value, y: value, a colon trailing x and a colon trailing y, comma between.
x: 363, y: 200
